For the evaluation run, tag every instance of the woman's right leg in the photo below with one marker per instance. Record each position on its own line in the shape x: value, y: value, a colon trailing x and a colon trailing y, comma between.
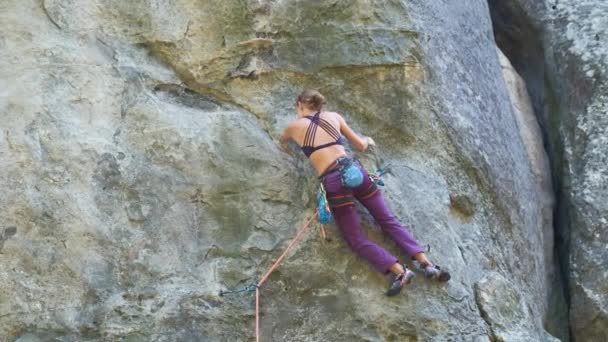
x: 345, y: 215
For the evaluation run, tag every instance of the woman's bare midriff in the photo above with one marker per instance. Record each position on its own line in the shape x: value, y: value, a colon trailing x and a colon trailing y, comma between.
x: 323, y: 158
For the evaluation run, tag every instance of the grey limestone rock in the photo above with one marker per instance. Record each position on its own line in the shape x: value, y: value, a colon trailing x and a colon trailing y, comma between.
x: 142, y: 171
x: 571, y: 93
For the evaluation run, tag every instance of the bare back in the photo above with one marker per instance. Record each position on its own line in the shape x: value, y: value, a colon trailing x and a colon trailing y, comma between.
x: 321, y: 159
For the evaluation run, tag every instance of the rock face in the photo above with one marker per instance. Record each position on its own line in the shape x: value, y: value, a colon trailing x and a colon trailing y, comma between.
x: 142, y: 172
x: 501, y: 303
x: 581, y: 125
x: 569, y: 39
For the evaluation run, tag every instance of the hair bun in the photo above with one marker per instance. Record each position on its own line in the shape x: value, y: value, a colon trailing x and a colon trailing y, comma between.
x: 312, y: 99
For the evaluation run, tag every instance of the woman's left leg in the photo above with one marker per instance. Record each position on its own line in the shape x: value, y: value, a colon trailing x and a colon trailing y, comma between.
x: 402, y: 237
x: 372, y: 200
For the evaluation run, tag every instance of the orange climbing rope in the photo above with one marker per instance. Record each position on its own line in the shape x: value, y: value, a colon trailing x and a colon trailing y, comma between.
x: 274, y: 266
x: 375, y: 177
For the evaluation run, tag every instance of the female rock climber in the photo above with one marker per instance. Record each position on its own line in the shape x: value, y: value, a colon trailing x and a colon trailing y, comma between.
x: 319, y: 134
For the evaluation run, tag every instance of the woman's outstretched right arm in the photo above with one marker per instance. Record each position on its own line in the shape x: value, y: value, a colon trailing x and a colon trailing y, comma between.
x: 360, y: 143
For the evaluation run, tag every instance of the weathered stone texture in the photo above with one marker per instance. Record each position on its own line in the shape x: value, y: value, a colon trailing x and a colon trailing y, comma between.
x: 142, y: 172
x: 573, y: 35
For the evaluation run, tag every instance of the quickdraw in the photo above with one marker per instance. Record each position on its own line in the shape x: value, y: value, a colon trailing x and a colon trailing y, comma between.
x: 375, y: 176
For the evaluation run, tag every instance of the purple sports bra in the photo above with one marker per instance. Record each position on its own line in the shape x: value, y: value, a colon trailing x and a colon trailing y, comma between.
x: 311, y: 131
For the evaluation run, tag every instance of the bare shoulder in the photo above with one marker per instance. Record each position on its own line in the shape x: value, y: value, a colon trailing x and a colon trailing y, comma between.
x: 335, y: 116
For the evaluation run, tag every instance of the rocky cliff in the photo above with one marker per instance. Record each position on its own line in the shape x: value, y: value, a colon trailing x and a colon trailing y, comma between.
x: 142, y: 172
x: 560, y: 48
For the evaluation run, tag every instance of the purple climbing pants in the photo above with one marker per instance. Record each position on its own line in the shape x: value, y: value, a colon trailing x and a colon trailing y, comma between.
x: 341, y: 201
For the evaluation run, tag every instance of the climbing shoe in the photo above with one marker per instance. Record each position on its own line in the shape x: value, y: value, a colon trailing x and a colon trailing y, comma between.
x: 397, y: 281
x: 435, y: 272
